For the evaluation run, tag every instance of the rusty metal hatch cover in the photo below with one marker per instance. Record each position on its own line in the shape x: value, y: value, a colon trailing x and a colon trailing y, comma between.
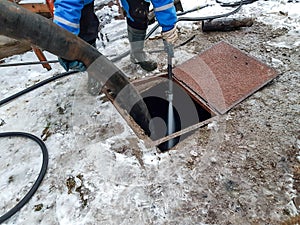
x: 223, y: 76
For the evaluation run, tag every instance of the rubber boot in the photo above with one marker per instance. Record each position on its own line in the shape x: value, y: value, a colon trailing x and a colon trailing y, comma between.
x: 137, y: 55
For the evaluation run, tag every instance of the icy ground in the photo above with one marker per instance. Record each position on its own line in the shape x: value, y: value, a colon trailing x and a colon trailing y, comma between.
x: 244, y: 168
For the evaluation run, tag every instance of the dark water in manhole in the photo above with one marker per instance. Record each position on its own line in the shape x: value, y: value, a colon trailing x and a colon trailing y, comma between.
x: 187, y: 112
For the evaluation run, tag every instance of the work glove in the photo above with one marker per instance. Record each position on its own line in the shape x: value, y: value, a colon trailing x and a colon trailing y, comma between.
x: 72, y: 65
x: 170, y: 36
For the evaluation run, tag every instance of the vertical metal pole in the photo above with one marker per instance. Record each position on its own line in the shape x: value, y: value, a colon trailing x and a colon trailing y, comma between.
x: 171, y: 122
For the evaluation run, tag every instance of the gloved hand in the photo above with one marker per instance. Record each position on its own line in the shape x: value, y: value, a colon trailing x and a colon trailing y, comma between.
x: 72, y: 65
x: 170, y: 36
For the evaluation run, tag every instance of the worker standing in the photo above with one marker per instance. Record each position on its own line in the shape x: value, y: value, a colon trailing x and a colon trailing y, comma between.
x: 137, y: 24
x: 78, y: 17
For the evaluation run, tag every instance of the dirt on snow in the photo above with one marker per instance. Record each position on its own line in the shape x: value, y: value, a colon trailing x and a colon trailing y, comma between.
x: 244, y: 168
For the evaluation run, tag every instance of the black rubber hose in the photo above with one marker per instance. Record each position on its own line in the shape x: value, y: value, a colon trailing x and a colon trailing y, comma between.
x: 179, y: 14
x: 42, y: 173
x: 35, y: 86
x: 212, y: 17
x: 193, y: 10
x: 184, y: 19
x: 233, y: 4
x: 38, y: 181
x: 124, y: 54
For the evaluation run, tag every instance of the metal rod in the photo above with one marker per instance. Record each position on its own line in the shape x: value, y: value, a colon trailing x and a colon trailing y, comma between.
x: 183, y: 131
x: 28, y: 63
x: 171, y: 123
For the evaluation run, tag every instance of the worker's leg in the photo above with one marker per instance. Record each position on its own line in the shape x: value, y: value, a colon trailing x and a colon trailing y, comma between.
x: 137, y: 23
x: 137, y: 55
x: 89, y: 24
x: 89, y: 28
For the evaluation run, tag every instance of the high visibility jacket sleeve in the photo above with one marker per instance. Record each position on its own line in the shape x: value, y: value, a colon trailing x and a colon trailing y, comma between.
x: 67, y: 14
x: 165, y: 13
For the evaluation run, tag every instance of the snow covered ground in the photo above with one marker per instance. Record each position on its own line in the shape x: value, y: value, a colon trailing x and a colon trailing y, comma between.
x: 101, y: 173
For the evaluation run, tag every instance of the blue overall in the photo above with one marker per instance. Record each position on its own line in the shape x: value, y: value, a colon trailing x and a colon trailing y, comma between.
x: 78, y: 17
x: 137, y: 11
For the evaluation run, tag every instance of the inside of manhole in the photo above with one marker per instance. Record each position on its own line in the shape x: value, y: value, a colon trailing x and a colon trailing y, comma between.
x: 187, y: 110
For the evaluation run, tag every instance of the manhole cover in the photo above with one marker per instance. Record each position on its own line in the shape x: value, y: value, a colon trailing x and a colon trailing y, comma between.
x: 223, y: 76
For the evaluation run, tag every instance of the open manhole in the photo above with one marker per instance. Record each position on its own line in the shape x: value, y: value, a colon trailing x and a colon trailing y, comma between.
x: 209, y: 84
x: 187, y: 110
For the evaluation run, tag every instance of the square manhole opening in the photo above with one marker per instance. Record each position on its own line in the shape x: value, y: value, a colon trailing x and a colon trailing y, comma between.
x: 188, y: 111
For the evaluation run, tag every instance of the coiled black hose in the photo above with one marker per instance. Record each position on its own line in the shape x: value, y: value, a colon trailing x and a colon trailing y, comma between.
x: 42, y: 145
x: 38, y: 181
